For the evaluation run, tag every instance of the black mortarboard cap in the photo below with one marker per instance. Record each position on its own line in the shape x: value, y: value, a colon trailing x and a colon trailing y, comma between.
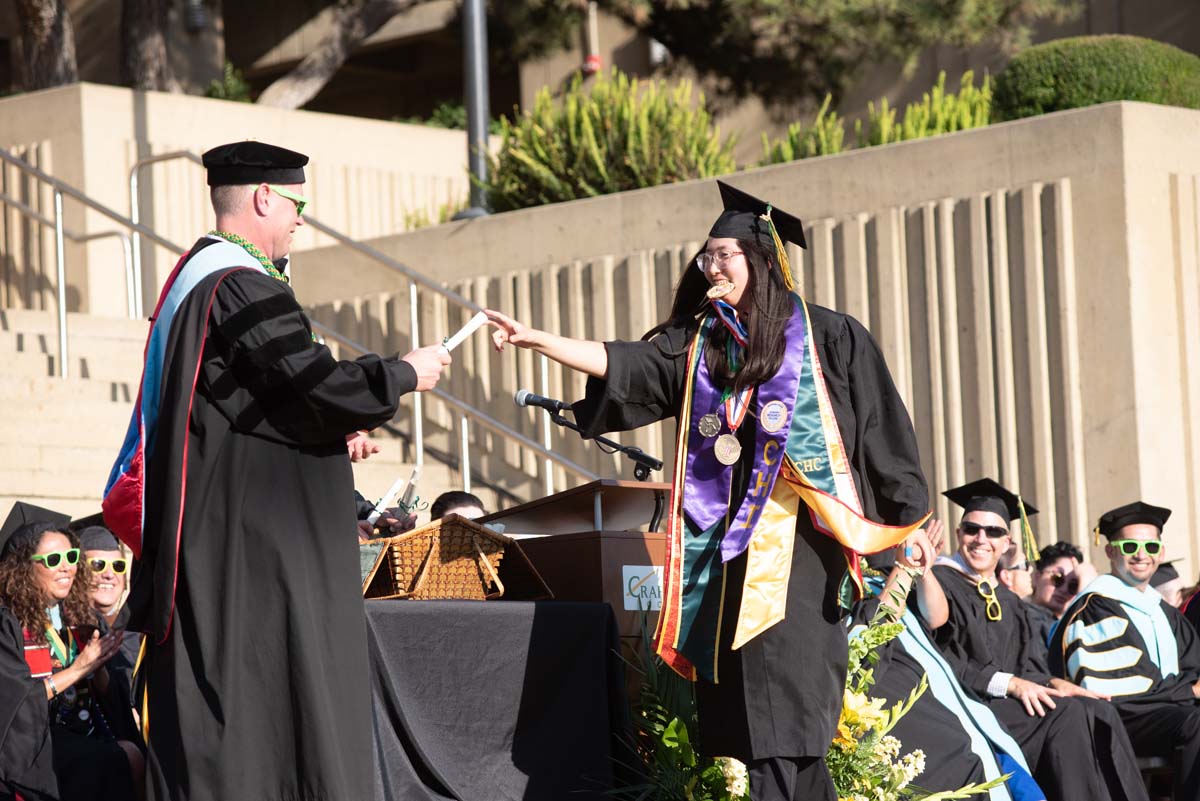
x: 743, y: 219
x: 25, y: 514
x: 239, y: 163
x: 97, y: 538
x: 986, y: 495
x: 1164, y: 573
x: 1114, y: 520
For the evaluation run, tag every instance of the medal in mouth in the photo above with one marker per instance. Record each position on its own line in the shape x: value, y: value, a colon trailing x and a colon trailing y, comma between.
x: 720, y: 289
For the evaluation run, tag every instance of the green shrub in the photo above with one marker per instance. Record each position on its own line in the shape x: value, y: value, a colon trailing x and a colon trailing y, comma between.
x: 1083, y: 71
x: 618, y: 134
x: 822, y: 138
x: 448, y: 114
x: 232, y: 86
x: 939, y: 112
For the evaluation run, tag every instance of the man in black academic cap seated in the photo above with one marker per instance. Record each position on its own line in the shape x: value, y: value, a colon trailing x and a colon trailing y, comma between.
x: 1073, y: 740
x: 234, y: 490
x: 1169, y: 584
x: 1121, y: 638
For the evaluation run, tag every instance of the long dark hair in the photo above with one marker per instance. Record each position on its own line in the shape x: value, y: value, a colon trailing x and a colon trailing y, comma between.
x: 771, y: 310
x: 19, y: 590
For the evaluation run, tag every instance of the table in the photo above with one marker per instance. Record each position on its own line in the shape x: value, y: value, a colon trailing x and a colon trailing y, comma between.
x: 491, y: 701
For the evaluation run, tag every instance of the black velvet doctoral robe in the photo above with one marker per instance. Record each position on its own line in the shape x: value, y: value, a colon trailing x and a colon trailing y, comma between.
x: 780, y: 694
x: 1079, y: 751
x: 1164, y: 717
x: 256, y: 662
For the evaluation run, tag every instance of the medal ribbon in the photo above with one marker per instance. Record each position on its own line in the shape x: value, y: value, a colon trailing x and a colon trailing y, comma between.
x: 727, y: 315
x: 64, y: 652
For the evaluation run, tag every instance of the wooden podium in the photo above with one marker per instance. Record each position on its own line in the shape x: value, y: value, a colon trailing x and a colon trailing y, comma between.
x: 590, y: 543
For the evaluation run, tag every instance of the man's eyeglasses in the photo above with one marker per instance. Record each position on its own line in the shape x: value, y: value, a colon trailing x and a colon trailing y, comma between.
x: 1071, y: 580
x: 1131, y: 547
x: 118, y: 565
x: 988, y: 593
x: 300, y: 200
x: 54, y: 558
x: 992, y: 532
x: 705, y: 260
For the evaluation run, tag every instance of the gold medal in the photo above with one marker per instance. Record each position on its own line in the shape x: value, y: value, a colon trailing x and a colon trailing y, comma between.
x: 727, y: 449
x: 720, y: 289
x: 709, y: 425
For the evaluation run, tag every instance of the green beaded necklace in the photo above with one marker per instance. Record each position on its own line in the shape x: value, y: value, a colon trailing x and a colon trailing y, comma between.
x: 254, y: 251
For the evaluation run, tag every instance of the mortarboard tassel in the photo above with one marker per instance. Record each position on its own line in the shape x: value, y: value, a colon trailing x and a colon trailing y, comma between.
x: 1031, y: 550
x: 785, y: 267
x: 1096, y: 534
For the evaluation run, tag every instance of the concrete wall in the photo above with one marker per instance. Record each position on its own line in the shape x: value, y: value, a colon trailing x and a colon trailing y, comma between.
x: 365, y: 178
x: 1035, y: 287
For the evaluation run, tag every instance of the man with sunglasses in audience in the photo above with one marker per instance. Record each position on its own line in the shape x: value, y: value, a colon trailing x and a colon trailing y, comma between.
x: 1072, y: 739
x: 1121, y: 638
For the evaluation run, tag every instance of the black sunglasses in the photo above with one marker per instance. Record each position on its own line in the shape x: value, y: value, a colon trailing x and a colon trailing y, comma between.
x: 992, y: 532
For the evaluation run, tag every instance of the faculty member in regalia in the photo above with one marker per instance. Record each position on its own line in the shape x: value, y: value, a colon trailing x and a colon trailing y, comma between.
x: 795, y: 453
x: 234, y: 490
x: 1073, y: 739
x: 1121, y: 638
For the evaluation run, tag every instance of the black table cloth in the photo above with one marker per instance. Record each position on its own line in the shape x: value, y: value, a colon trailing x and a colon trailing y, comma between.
x: 490, y: 701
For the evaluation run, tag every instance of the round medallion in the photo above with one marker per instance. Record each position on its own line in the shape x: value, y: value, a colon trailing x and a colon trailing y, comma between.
x: 84, y: 714
x: 720, y: 289
x: 709, y: 425
x: 773, y: 416
x: 727, y: 449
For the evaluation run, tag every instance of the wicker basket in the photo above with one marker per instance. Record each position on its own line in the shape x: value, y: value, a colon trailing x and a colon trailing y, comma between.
x: 449, y: 558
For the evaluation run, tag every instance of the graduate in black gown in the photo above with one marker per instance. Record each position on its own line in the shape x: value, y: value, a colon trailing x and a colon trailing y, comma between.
x: 61, y: 723
x: 1121, y: 638
x: 1072, y: 738
x: 247, y: 583
x: 773, y: 700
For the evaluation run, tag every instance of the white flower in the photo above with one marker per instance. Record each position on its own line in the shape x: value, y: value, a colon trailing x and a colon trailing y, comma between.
x: 887, y: 749
x: 737, y: 780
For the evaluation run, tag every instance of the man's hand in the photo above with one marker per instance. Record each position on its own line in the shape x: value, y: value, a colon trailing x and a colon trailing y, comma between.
x: 428, y: 362
x: 360, y: 446
x: 1068, y: 689
x: 1035, y: 697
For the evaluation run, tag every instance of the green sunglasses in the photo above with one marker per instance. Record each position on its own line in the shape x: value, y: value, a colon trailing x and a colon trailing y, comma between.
x: 54, y: 558
x: 1131, y: 547
x: 300, y: 200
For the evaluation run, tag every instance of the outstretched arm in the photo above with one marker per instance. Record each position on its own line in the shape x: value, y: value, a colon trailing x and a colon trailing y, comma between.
x: 583, y: 355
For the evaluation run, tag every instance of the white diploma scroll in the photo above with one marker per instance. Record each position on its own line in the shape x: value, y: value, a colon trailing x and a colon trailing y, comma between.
x: 473, y: 325
x: 389, y: 498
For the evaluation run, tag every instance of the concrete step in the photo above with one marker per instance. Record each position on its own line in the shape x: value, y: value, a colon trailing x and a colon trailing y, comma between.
x: 86, y: 326
x: 22, y: 389
x: 125, y: 368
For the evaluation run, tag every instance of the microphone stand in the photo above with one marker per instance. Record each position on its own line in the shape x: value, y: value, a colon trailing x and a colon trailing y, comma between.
x: 643, y: 463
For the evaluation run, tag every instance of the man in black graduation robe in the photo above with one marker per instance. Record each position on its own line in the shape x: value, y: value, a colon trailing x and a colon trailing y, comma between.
x: 1073, y: 740
x: 1121, y: 638
x: 780, y: 694
x: 248, y: 582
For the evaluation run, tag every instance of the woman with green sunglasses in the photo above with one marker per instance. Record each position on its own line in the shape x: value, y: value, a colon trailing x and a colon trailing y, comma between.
x: 51, y: 650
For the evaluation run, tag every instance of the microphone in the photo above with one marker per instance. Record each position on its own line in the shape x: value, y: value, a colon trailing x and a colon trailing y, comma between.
x: 526, y: 398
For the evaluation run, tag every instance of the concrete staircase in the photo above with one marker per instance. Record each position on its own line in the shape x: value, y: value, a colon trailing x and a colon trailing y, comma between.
x: 59, y: 437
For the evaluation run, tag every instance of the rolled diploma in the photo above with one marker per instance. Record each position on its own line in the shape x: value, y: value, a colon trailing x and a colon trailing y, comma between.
x: 473, y: 325
x: 387, y: 500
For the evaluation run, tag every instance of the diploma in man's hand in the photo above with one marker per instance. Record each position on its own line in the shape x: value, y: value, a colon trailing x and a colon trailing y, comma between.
x: 473, y: 325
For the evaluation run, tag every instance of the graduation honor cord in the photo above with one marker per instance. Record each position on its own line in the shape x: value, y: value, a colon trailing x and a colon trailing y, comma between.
x: 254, y: 251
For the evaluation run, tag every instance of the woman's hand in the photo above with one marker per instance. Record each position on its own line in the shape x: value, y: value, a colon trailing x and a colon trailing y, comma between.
x: 510, y: 330
x: 935, y: 530
x: 98, y: 650
x: 916, y: 552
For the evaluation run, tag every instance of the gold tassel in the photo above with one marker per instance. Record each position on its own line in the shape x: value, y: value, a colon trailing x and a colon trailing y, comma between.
x: 1032, y: 554
x: 785, y: 267
x: 1096, y: 535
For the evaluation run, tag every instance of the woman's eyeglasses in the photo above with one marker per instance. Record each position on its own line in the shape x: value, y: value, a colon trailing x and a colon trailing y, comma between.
x: 118, y: 565
x: 1131, y: 547
x: 992, y: 532
x: 988, y: 593
x: 54, y: 558
x: 705, y: 260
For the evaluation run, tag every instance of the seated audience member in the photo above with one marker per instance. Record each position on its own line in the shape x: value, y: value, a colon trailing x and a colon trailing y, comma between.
x: 1059, y: 573
x: 1014, y: 570
x: 1169, y: 584
x: 962, y: 741
x: 393, y: 521
x: 1073, y: 740
x: 110, y: 569
x: 1122, y: 639
x: 1191, y: 607
x: 456, y: 502
x: 52, y: 651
